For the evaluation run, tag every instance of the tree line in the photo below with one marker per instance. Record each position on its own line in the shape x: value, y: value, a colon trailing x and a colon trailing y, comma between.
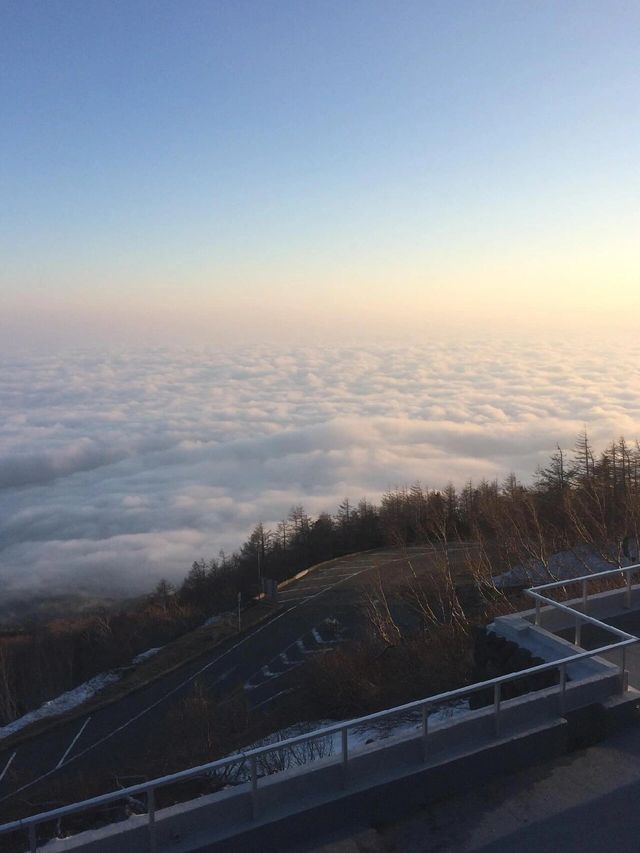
x: 579, y: 497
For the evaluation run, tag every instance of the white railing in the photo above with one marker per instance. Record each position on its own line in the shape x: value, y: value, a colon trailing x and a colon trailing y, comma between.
x: 253, y: 756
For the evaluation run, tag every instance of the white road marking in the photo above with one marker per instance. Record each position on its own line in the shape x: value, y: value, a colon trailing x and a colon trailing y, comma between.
x: 7, y: 766
x: 72, y: 744
x: 191, y: 678
x: 345, y: 576
x: 308, y: 589
x: 269, y: 676
x: 305, y: 650
x: 320, y: 639
x: 317, y: 582
x: 224, y: 675
x: 271, y: 698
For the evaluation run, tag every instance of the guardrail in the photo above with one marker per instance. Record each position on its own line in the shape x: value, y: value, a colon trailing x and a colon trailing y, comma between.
x: 253, y: 756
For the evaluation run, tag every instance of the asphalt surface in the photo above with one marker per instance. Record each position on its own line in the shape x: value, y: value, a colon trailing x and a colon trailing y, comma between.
x: 583, y: 801
x: 317, y: 612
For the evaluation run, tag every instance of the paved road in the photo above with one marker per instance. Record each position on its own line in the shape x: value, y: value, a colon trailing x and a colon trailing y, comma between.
x: 585, y: 801
x: 317, y: 611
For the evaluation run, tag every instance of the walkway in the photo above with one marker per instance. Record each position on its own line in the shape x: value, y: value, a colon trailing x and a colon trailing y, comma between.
x: 588, y: 800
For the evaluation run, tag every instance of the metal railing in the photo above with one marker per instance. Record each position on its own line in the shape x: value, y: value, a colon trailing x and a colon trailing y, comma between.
x: 581, y: 616
x: 253, y: 756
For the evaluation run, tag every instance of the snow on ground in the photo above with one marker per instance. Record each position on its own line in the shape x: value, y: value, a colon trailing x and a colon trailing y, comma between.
x: 214, y: 620
x: 73, y: 698
x: 360, y: 737
x: 561, y: 566
x: 219, y: 618
x: 146, y: 655
x: 64, y: 702
x: 564, y: 565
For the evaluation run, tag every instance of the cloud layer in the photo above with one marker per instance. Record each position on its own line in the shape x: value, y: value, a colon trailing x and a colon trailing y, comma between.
x: 117, y: 469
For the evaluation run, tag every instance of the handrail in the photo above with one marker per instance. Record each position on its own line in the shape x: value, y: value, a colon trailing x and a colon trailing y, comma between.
x: 612, y: 571
x: 316, y: 734
x: 583, y: 616
x: 425, y: 704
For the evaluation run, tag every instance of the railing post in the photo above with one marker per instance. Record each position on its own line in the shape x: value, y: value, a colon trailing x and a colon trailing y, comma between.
x: 151, y: 820
x: 563, y: 686
x: 254, y: 785
x: 577, y: 640
x: 623, y: 672
x: 345, y: 756
x: 628, y: 594
x: 425, y: 731
x: 423, y: 705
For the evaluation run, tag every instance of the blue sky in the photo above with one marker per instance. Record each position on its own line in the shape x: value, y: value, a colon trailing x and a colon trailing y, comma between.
x: 202, y: 162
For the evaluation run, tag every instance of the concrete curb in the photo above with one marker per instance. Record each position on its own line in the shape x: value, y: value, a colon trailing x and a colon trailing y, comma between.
x: 43, y: 726
x: 384, y: 792
x: 284, y: 584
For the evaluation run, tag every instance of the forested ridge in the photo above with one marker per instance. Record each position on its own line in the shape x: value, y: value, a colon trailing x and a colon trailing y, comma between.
x: 579, y: 498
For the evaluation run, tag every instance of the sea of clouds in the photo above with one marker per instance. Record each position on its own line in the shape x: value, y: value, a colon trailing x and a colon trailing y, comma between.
x: 119, y: 468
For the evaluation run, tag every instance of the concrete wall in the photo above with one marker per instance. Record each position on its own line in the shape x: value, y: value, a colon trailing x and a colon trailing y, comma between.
x: 390, y: 774
x: 380, y: 783
x: 457, y: 753
x: 543, y: 644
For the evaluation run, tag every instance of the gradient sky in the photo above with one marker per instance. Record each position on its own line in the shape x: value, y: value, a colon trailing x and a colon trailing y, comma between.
x: 218, y: 169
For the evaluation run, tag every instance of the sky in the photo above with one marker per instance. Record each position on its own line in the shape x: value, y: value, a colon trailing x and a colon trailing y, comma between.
x: 209, y: 172
x: 256, y: 254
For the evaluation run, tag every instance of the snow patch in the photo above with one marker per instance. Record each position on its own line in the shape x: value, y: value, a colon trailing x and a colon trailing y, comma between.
x: 564, y: 565
x: 317, y: 636
x: 64, y: 702
x: 359, y: 736
x: 146, y: 655
x: 73, y: 698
